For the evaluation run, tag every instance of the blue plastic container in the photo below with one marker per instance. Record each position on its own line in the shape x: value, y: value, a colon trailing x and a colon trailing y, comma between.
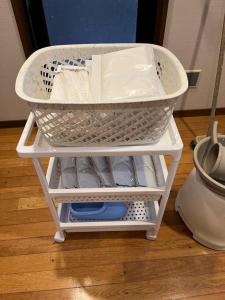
x: 98, y: 210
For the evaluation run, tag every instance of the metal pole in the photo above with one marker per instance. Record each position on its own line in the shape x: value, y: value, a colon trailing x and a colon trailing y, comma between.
x: 217, y: 81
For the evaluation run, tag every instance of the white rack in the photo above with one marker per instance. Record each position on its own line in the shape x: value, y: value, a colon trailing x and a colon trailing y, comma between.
x: 146, y: 205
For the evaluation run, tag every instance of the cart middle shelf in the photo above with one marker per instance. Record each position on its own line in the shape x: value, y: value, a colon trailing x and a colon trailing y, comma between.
x: 103, y: 194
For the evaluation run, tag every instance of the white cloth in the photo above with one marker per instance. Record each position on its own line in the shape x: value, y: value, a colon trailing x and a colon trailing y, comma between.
x: 71, y: 83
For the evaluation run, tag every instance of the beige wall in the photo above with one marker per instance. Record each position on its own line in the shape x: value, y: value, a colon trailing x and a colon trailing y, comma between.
x: 11, y: 59
x: 193, y: 32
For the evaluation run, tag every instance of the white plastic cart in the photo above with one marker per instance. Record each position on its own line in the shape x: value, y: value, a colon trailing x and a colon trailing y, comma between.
x: 146, y: 205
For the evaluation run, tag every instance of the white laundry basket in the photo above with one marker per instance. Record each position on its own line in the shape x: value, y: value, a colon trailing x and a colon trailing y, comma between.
x: 136, y: 121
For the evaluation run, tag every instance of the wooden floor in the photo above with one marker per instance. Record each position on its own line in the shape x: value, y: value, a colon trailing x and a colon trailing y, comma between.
x: 120, y: 265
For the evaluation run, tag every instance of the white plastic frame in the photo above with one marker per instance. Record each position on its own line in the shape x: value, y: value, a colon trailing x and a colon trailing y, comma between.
x: 169, y: 144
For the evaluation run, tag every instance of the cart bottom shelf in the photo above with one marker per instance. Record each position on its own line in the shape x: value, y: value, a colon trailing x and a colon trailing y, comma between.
x: 140, y: 216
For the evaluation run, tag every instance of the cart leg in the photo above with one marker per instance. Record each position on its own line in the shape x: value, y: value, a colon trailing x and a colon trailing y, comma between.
x: 169, y: 182
x: 150, y: 235
x: 59, y: 237
x: 44, y: 184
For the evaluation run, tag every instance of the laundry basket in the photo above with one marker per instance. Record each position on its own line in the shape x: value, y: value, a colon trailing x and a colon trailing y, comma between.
x: 136, y: 121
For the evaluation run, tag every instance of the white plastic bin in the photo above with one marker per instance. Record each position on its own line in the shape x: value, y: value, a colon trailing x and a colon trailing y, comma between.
x: 201, y: 202
x: 136, y: 121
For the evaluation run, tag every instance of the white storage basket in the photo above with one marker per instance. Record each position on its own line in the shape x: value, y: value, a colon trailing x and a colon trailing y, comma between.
x: 136, y: 121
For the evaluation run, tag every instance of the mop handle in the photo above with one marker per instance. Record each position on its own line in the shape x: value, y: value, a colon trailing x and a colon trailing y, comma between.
x: 217, y: 81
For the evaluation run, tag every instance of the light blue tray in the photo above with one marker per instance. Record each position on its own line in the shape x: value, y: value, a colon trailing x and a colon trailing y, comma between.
x: 98, y: 210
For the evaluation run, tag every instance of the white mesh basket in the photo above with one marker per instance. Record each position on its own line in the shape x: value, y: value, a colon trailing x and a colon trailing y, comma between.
x: 136, y: 121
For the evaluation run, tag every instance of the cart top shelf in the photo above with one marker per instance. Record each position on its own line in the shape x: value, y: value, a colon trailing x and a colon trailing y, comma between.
x: 168, y: 144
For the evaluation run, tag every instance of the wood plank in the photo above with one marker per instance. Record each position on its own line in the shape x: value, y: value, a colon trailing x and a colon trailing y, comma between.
x: 185, y: 168
x: 163, y: 268
x: 6, y: 205
x: 6, y: 182
x: 10, y: 193
x: 74, y: 241
x: 171, y: 218
x: 59, y: 294
x: 11, y: 138
x: 171, y: 202
x: 23, y: 216
x: 73, y: 277
x: 31, y: 203
x: 178, y: 287
x: 178, y: 276
x: 17, y: 171
x: 75, y: 294
x: 10, y: 153
x: 11, y: 131
x: 14, y: 232
x: 17, y: 162
x: 96, y: 256
x: 7, y: 146
x: 216, y: 296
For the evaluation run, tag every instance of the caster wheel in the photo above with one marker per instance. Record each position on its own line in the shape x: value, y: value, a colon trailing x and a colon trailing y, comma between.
x: 59, y: 237
x: 150, y: 235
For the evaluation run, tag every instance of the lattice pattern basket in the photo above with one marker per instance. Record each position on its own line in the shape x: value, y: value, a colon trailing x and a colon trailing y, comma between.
x: 136, y: 121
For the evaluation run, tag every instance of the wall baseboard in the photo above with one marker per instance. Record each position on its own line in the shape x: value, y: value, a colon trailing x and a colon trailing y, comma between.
x: 197, y: 112
x: 12, y: 124
x: 179, y: 114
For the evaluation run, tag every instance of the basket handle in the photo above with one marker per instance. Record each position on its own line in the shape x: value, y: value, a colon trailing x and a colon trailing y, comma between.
x: 21, y: 146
